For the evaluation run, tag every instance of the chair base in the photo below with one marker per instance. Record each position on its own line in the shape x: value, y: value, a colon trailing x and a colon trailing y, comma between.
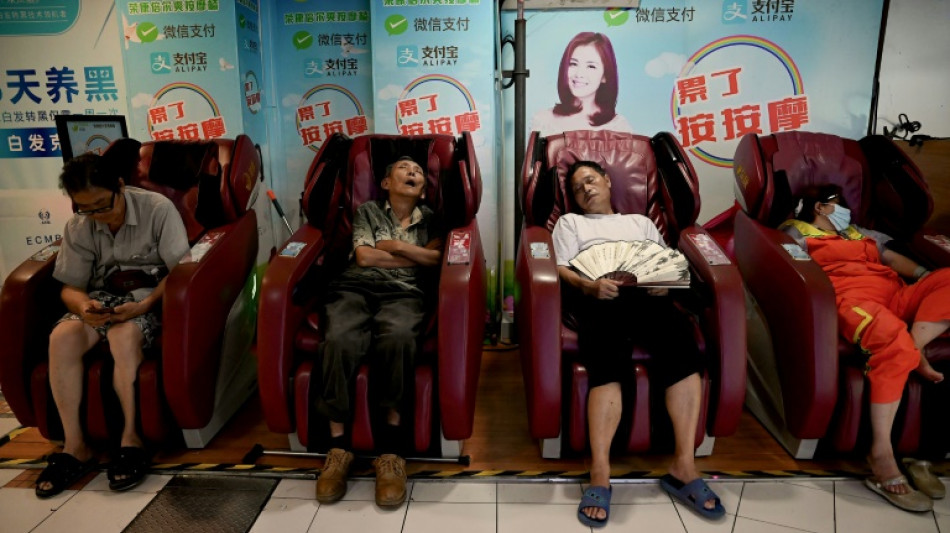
x: 551, y: 448
x: 775, y: 424
x: 237, y: 371
x: 294, y: 443
x: 705, y: 448
x: 449, y: 448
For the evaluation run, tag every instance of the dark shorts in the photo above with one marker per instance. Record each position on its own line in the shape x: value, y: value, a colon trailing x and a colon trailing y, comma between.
x: 608, y: 330
x: 149, y: 323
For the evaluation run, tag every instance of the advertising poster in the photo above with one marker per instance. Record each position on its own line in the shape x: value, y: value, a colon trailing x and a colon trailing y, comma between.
x: 707, y: 71
x: 187, y: 83
x: 321, y: 75
x: 58, y: 58
x: 434, y: 73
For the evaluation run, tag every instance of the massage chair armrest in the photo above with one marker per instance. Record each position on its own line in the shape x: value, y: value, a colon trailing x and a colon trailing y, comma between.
x: 279, y: 317
x: 461, y: 326
x: 798, y: 302
x: 199, y: 294
x: 538, y: 315
x: 932, y: 247
x: 29, y: 306
x: 724, y: 325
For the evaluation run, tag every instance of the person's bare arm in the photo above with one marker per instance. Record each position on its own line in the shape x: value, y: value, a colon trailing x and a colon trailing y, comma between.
x: 602, y: 289
x: 902, y: 264
x: 428, y: 255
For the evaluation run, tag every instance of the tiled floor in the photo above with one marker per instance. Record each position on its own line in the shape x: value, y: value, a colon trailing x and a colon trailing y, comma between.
x: 787, y: 506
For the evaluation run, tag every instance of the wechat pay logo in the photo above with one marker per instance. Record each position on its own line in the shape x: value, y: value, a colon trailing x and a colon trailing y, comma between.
x: 396, y: 24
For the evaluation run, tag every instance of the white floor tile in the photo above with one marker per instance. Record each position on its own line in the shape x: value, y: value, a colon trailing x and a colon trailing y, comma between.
x: 854, y: 513
x: 301, y: 489
x: 358, y: 516
x: 286, y: 515
x: 782, y: 503
x: 656, y: 518
x: 425, y: 517
x: 152, y: 483
x: 362, y: 490
x: 521, y: 517
x: 827, y: 486
x: 697, y: 524
x: 539, y: 493
x: 449, y: 492
x: 746, y: 525
x: 21, y: 510
x: 943, y: 523
x: 96, y: 512
x: 7, y: 475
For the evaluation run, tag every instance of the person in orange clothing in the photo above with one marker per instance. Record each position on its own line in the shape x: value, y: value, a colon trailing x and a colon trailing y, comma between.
x: 875, y: 305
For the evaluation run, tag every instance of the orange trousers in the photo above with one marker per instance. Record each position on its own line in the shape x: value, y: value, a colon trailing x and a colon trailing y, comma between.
x: 877, y: 321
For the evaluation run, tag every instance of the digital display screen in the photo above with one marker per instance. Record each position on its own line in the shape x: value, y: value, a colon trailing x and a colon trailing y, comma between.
x: 79, y: 134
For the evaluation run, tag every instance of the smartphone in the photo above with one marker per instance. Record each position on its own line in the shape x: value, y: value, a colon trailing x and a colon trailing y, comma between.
x: 103, y: 310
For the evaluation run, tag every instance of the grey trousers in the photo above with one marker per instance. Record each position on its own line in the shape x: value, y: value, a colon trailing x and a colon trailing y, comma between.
x: 362, y: 327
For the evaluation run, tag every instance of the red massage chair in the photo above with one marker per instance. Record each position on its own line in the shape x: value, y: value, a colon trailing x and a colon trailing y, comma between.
x: 197, y: 374
x: 807, y: 385
x: 651, y: 177
x: 345, y: 174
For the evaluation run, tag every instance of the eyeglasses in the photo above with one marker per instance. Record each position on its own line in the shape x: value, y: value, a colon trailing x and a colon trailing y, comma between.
x: 98, y: 210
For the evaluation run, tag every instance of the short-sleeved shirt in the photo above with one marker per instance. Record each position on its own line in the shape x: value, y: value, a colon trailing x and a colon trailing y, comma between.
x: 574, y: 233
x: 375, y: 222
x: 152, y: 236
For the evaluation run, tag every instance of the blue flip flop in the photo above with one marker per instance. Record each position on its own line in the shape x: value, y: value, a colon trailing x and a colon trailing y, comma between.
x: 595, y: 497
x: 694, y: 494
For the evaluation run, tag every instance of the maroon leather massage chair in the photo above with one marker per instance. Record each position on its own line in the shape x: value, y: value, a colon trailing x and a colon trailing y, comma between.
x: 651, y: 177
x: 345, y: 174
x: 807, y: 382
x: 181, y: 390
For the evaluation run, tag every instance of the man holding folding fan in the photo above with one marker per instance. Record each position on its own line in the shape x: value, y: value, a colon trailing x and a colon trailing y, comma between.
x: 611, y: 315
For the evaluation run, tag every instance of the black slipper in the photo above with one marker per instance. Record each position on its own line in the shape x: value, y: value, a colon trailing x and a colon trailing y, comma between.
x: 131, y: 464
x: 62, y: 471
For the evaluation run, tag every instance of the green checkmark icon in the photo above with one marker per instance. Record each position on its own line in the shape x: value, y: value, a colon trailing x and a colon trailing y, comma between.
x: 302, y: 40
x: 147, y: 32
x: 396, y: 24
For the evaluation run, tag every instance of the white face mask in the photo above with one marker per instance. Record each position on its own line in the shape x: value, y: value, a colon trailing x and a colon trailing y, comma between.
x: 840, y: 218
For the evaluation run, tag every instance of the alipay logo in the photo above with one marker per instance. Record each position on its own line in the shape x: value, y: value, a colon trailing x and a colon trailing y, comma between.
x: 735, y: 11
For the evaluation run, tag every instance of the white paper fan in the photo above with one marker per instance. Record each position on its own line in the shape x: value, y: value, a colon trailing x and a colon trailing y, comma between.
x: 649, y: 263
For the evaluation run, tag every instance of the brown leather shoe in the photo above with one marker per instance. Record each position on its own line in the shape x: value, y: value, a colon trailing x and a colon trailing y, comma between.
x: 331, y: 485
x: 390, y: 480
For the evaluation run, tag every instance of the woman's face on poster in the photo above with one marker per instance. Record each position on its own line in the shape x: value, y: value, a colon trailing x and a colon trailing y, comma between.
x: 585, y: 71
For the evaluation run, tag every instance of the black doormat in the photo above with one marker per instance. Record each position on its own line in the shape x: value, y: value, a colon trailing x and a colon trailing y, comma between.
x: 206, y: 504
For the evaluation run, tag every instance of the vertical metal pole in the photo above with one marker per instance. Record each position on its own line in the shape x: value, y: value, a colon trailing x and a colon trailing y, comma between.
x: 518, y: 76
